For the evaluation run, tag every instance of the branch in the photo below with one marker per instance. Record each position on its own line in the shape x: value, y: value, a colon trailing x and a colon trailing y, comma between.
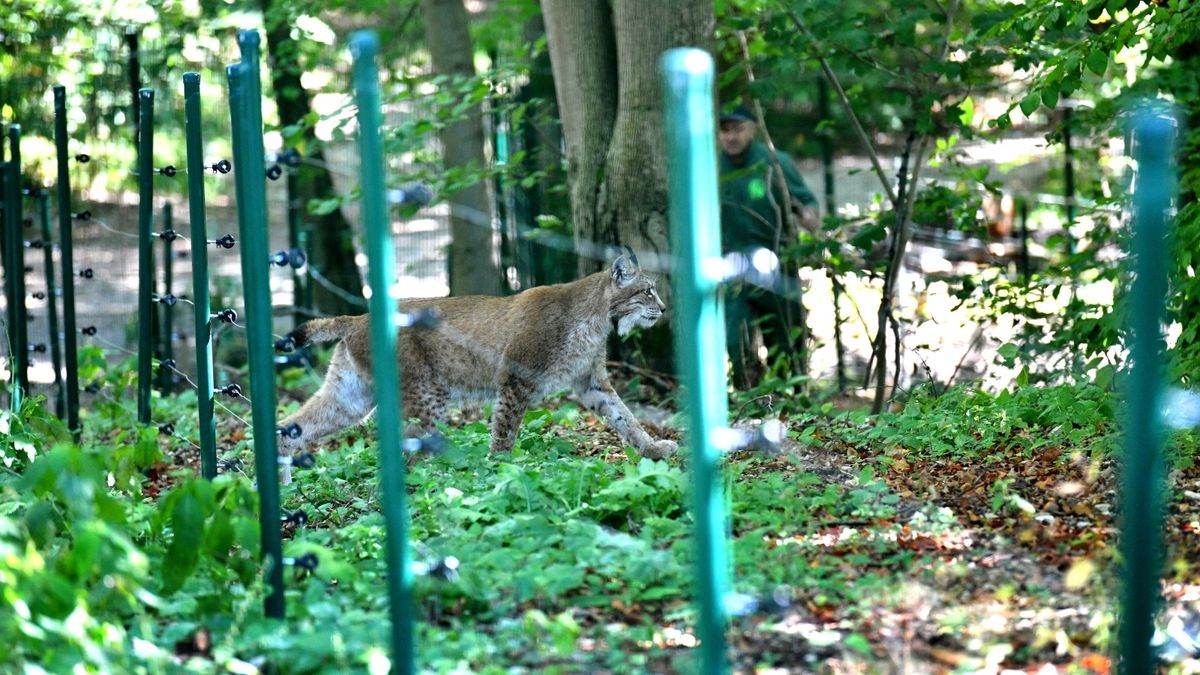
x: 814, y: 47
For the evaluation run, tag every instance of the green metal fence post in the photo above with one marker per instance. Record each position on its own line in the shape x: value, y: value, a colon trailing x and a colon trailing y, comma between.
x: 382, y: 278
x: 245, y: 102
x: 200, y: 293
x: 1142, y: 512
x: 67, y: 260
x: 166, y: 349
x: 145, y: 161
x: 60, y: 402
x: 694, y: 217
x: 13, y: 214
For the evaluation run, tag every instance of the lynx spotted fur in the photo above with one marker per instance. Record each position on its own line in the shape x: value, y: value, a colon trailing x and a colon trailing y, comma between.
x: 513, y: 350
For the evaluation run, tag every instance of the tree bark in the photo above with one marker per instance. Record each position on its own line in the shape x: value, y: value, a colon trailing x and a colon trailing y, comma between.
x: 582, y: 46
x: 474, y: 265
x: 606, y: 74
x: 332, y: 238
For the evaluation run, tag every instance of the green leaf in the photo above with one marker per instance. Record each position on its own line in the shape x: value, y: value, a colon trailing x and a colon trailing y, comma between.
x: 1049, y: 97
x: 1030, y: 103
x: 187, y: 525
x: 858, y: 643
x: 1097, y: 61
x: 968, y: 111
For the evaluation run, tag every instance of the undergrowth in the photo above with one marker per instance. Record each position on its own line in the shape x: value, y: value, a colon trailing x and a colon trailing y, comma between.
x: 115, y: 555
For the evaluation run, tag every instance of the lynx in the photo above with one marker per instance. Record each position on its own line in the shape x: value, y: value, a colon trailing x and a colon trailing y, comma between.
x: 514, y: 350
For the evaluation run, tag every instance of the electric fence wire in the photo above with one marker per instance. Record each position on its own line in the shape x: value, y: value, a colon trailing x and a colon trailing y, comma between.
x: 105, y: 395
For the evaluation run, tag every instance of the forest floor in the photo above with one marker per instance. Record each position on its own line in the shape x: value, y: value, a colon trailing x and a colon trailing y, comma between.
x: 849, y: 556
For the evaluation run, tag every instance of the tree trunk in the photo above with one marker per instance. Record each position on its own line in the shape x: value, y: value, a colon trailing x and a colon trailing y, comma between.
x: 606, y: 74
x: 474, y: 267
x: 610, y: 96
x: 633, y: 196
x: 332, y: 239
x: 582, y: 46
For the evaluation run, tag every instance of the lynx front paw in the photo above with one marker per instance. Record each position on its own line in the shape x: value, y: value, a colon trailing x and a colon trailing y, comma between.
x: 660, y: 449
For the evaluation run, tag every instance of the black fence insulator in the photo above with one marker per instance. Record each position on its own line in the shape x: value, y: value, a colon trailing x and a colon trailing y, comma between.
x: 307, y: 562
x: 427, y: 318
x: 745, y: 604
x: 169, y: 235
x: 226, y: 316
x: 304, y: 460
x: 167, y: 429
x: 412, y: 196
x: 88, y: 330
x: 169, y: 171
x: 87, y: 273
x: 168, y: 299
x: 226, y: 241
x: 29, y: 269
x: 290, y: 157
x: 234, y: 464
x: 82, y: 158
x: 93, y: 388
x: 297, y: 359
x: 429, y: 444
x: 292, y: 431
x: 274, y: 172
x: 444, y: 569
x: 168, y: 364
x: 294, y: 258
x: 222, y: 166
x: 38, y: 295
x: 36, y: 243
x: 234, y: 390
x: 82, y: 215
x: 40, y: 348
x: 285, y: 344
x: 298, y: 518
x: 767, y: 437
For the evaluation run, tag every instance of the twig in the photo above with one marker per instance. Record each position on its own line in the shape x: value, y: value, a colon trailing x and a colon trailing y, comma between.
x: 816, y: 50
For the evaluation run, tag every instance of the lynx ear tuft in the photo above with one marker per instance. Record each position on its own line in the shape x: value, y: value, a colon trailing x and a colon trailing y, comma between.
x: 632, y: 256
x: 623, y: 272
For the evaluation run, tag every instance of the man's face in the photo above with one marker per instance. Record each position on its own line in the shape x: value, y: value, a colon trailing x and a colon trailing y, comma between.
x: 735, y: 137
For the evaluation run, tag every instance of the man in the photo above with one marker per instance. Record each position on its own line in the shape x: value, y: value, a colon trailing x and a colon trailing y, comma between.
x: 753, y: 210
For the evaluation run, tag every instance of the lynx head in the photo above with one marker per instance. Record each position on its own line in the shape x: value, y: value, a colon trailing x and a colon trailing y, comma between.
x: 634, y: 299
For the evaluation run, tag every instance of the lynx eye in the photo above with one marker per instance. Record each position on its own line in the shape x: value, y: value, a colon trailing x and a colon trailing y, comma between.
x: 649, y: 292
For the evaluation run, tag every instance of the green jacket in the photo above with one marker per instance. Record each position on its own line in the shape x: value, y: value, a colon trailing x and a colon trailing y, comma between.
x: 748, y: 218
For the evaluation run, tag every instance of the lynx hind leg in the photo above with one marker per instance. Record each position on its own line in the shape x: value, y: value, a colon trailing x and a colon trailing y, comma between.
x: 344, y: 399
x: 425, y: 396
x: 602, y: 399
x: 509, y: 413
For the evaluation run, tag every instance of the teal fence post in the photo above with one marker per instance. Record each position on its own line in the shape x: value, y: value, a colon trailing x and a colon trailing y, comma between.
x: 200, y: 293
x: 1142, y: 512
x: 694, y: 220
x: 245, y: 103
x: 145, y: 161
x: 18, y: 324
x: 166, y: 348
x: 381, y: 276
x: 60, y: 402
x: 66, y: 259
